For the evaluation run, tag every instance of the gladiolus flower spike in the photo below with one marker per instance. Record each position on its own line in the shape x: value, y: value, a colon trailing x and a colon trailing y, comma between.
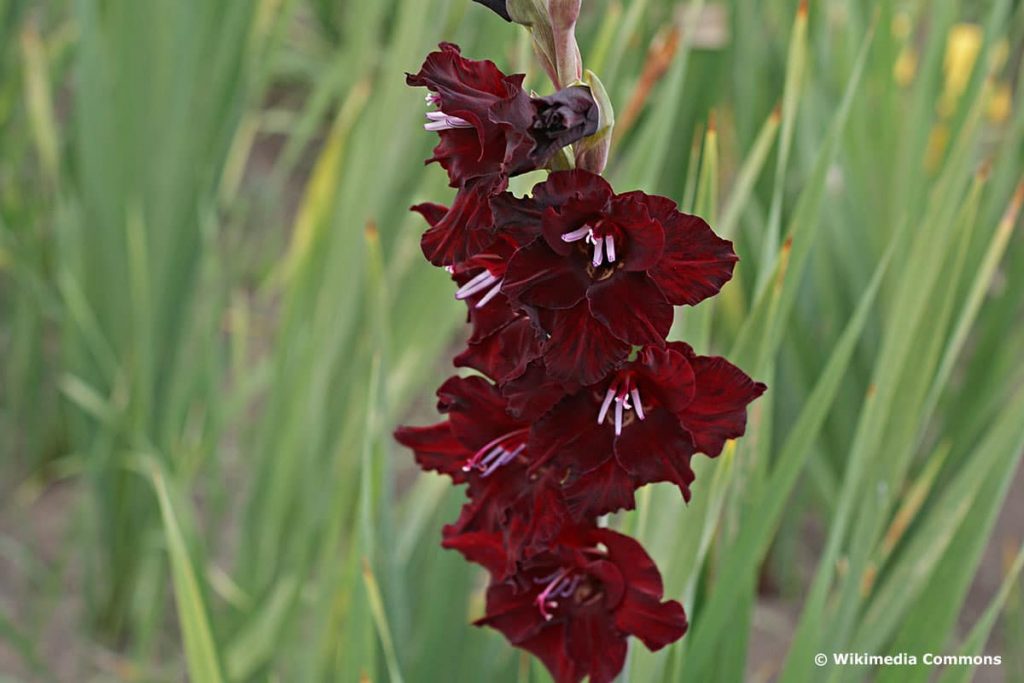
x: 581, y: 399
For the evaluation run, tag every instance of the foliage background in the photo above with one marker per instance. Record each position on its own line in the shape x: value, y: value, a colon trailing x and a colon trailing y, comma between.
x: 214, y: 311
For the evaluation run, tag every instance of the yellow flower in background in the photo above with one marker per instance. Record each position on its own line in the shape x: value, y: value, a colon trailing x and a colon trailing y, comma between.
x: 962, y: 47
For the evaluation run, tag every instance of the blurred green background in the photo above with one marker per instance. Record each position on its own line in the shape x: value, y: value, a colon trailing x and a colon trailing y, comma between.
x: 213, y: 311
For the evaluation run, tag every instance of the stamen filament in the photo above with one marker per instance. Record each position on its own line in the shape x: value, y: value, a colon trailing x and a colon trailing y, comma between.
x: 542, y: 601
x: 619, y: 405
x: 577, y: 235
x: 608, y: 398
x: 637, y: 405
x: 489, y: 295
x: 477, y: 284
x: 440, y: 121
x: 494, y: 447
x: 609, y: 249
x: 507, y: 457
x: 598, y: 246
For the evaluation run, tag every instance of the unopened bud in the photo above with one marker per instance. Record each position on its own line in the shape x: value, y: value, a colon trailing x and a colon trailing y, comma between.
x: 563, y: 14
x: 562, y: 119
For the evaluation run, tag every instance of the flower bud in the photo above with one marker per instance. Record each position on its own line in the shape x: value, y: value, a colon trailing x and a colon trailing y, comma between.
x: 562, y: 119
x: 498, y: 6
x: 563, y: 15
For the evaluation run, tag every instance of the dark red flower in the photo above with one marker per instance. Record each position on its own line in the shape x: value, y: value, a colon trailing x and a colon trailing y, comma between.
x: 606, y: 269
x: 575, y: 605
x: 477, y: 436
x: 480, y: 445
x: 490, y: 129
x: 621, y: 433
x: 642, y: 424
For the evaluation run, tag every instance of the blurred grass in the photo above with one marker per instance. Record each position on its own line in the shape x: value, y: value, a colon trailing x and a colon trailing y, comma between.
x: 205, y: 257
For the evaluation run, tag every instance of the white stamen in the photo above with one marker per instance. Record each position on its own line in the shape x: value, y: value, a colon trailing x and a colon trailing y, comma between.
x: 489, y: 295
x: 577, y: 235
x: 492, y: 455
x: 598, y: 247
x: 440, y: 121
x: 608, y: 397
x: 609, y: 249
x: 637, y: 405
x: 477, y: 284
x: 506, y: 458
x: 619, y: 405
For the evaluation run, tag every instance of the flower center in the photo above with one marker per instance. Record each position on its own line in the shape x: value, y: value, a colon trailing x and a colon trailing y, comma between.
x: 604, y: 247
x: 625, y: 394
x: 561, y: 584
x: 498, y: 452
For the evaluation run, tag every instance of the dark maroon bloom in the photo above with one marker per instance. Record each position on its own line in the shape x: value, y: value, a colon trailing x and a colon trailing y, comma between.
x: 478, y: 436
x: 575, y: 605
x: 622, y: 432
x: 490, y: 129
x: 480, y: 445
x: 606, y: 269
x: 643, y: 424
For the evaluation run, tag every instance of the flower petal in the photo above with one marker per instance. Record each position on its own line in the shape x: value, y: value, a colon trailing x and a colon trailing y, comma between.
x: 464, y: 231
x: 632, y: 307
x: 436, y: 449
x: 718, y: 411
x: 476, y: 411
x: 504, y: 355
x: 596, y: 646
x: 580, y: 347
x: 486, y: 549
x: 569, y: 433
x: 667, y: 374
x: 695, y: 263
x: 644, y: 236
x: 657, y: 449
x: 608, y: 488
x: 654, y: 622
x: 537, y: 276
x: 532, y: 393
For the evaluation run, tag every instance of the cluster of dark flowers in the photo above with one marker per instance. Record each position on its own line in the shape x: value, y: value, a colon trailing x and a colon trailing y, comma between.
x: 579, y: 398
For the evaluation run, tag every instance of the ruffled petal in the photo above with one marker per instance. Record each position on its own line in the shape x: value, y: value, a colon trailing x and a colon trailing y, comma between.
x: 464, y: 231
x: 695, y: 262
x: 436, y: 449
x: 718, y: 411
